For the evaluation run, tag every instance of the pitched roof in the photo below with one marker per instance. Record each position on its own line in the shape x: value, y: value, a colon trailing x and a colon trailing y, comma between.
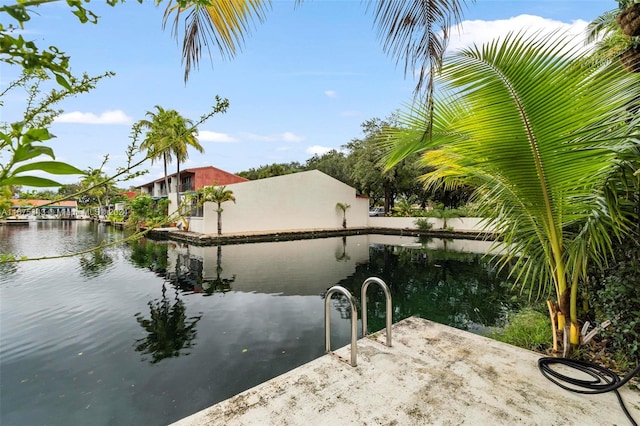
x: 38, y: 203
x: 214, y: 174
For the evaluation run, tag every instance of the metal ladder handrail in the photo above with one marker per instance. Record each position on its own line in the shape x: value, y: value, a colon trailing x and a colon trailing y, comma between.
x: 354, y: 321
x: 387, y: 295
x: 354, y: 315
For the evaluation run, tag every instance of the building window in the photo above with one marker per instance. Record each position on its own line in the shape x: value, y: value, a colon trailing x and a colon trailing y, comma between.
x: 186, y: 184
x: 195, y: 208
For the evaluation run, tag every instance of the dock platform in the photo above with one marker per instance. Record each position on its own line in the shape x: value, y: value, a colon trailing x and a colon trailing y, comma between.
x: 432, y: 375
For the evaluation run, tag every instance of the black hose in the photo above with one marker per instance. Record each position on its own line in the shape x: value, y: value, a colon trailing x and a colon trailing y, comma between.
x: 604, y: 380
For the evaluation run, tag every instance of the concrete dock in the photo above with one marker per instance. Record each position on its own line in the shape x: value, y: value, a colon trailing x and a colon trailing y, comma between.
x: 432, y: 375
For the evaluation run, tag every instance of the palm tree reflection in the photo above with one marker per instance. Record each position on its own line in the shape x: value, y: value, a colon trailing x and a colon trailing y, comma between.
x: 218, y: 284
x: 169, y: 330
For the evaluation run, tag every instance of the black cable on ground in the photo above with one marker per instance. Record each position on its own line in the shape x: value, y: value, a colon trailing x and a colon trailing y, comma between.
x: 603, y: 380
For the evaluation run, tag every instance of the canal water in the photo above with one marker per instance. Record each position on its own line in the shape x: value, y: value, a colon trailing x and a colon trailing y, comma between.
x: 149, y: 332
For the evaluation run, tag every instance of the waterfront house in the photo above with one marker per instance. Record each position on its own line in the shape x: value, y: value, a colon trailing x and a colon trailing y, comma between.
x: 42, y: 209
x: 190, y: 180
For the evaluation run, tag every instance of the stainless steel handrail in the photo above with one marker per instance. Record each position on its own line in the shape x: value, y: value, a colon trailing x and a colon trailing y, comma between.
x: 387, y: 295
x: 354, y: 321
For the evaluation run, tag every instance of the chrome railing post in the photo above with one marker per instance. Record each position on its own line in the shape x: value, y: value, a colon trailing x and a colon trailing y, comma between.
x: 354, y: 321
x: 387, y: 295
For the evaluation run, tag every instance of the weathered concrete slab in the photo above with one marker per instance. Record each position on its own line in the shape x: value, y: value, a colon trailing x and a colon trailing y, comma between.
x: 433, y: 374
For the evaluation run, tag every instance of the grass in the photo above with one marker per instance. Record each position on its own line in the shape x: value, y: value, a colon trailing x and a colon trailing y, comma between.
x: 527, y: 329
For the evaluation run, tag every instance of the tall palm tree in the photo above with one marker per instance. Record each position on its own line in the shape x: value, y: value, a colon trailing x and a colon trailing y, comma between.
x: 169, y: 135
x: 158, y: 140
x: 539, y: 134
x: 185, y: 134
x: 218, y: 195
x: 415, y: 32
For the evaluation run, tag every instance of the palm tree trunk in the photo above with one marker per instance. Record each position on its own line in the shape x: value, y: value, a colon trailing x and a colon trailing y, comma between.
x: 219, y: 220
x: 178, y: 183
x: 166, y: 177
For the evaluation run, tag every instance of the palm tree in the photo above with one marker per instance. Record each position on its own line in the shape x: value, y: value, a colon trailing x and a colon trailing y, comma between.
x: 539, y: 134
x: 218, y: 195
x: 343, y: 207
x: 611, y: 41
x: 169, y: 136
x: 415, y: 32
x: 185, y: 136
x: 158, y: 140
x: 98, y: 187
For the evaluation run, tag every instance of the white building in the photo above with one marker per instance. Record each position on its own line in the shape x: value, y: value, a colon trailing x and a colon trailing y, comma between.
x: 299, y: 201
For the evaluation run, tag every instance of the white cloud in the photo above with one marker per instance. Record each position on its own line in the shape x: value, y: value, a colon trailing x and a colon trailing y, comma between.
x: 107, y: 117
x: 481, y: 32
x: 330, y: 93
x: 280, y: 137
x: 318, y: 150
x: 209, y: 136
x: 291, y: 137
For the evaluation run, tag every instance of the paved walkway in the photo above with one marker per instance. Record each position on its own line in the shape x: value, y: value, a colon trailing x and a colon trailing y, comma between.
x: 432, y: 375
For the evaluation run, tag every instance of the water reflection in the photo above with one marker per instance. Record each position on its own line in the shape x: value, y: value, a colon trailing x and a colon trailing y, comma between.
x: 150, y: 254
x: 95, y: 263
x: 460, y: 289
x: 169, y: 330
x: 342, y: 255
x: 448, y: 281
x: 78, y: 363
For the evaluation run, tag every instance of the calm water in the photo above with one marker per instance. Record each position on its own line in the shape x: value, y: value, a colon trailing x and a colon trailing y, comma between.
x: 150, y: 332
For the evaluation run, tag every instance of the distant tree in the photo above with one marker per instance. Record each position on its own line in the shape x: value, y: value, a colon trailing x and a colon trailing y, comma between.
x: 368, y: 169
x: 99, y: 190
x: 38, y: 195
x: 271, y: 170
x: 334, y: 163
x: 69, y: 189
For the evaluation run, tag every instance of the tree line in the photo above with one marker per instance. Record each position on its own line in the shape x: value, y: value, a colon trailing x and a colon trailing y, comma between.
x: 360, y: 164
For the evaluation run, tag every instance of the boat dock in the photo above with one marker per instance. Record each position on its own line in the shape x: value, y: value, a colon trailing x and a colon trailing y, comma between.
x: 431, y: 375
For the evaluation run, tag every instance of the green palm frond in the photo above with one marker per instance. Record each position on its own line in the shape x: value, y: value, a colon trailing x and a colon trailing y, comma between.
x: 539, y: 133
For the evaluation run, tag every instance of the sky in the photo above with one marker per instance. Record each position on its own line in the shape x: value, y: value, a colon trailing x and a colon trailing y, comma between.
x: 303, y: 84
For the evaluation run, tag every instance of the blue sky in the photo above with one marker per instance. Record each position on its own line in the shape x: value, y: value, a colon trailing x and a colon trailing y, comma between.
x: 304, y: 82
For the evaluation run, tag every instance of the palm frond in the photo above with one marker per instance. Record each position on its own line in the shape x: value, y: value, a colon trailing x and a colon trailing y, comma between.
x: 223, y: 24
x: 539, y: 133
x: 416, y: 32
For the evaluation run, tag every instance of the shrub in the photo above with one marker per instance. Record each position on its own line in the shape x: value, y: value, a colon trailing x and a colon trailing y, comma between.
x: 423, y: 224
x: 614, y: 294
x: 527, y: 329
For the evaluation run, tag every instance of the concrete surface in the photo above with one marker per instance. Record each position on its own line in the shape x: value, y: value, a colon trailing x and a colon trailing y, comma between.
x: 433, y: 375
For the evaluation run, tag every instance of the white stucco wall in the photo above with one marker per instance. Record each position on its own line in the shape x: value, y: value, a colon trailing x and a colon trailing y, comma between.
x: 299, y: 201
x: 302, y: 201
x: 458, y: 223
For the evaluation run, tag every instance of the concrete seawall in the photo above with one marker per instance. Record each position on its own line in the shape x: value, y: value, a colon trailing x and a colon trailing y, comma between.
x: 433, y: 374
